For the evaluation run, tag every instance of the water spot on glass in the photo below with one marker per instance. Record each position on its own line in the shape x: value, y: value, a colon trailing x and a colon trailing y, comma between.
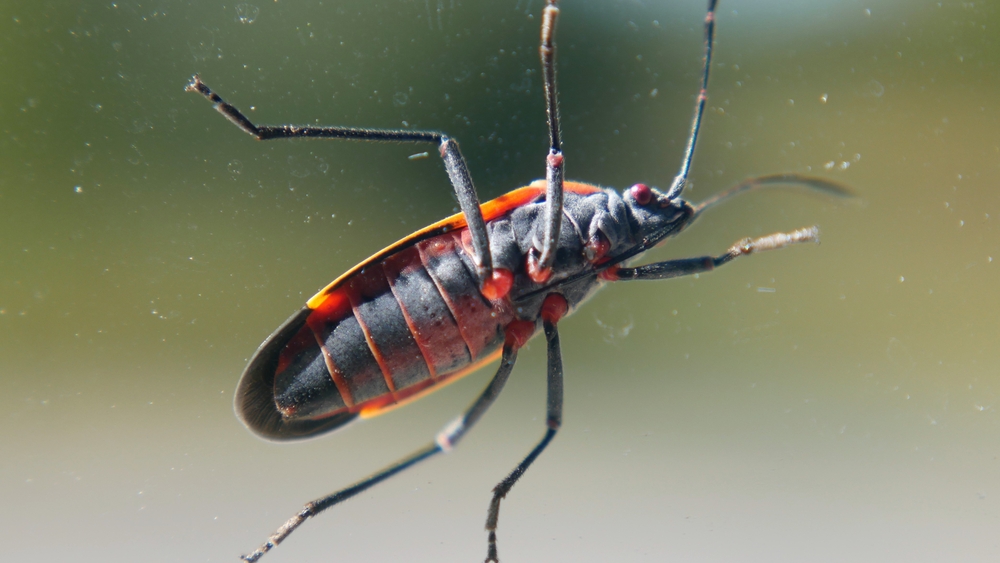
x: 117, y: 46
x: 246, y: 13
x: 138, y: 158
x: 298, y: 170
x: 615, y: 332
x: 235, y: 167
x: 823, y: 98
x: 400, y: 99
x: 323, y: 167
x: 141, y: 125
x: 875, y: 88
x: 203, y: 45
x: 78, y: 189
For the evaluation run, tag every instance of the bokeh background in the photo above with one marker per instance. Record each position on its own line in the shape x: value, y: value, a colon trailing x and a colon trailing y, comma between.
x: 823, y: 403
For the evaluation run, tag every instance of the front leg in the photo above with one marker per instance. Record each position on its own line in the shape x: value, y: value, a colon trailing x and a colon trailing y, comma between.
x: 687, y: 266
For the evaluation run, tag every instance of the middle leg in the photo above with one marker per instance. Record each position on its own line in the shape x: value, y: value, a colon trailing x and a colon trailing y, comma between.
x: 553, y: 309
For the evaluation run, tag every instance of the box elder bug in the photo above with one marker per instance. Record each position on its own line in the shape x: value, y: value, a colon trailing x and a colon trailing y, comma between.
x: 458, y: 294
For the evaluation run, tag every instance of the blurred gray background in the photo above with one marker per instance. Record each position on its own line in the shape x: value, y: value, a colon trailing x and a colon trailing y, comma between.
x: 830, y: 403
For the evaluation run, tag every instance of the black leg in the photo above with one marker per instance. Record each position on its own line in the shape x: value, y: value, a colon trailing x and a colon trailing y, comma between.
x: 553, y: 421
x: 554, y: 169
x: 454, y: 163
x: 444, y: 442
x: 688, y: 266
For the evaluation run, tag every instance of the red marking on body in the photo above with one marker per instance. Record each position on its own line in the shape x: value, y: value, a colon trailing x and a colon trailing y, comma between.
x: 467, y: 242
x: 597, y: 247
x: 522, y: 196
x: 298, y: 344
x: 610, y: 274
x: 498, y: 286
x: 518, y: 333
x: 555, y: 160
x: 641, y: 193
x: 537, y: 274
x: 554, y: 308
x: 436, y: 247
x: 335, y: 307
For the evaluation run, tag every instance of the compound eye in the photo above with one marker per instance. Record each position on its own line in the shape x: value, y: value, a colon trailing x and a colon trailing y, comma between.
x: 641, y: 193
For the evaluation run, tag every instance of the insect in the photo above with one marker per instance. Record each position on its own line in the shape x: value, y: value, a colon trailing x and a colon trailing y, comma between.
x: 469, y: 289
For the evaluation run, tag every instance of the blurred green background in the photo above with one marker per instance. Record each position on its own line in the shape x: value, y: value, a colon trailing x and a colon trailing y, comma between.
x: 830, y: 403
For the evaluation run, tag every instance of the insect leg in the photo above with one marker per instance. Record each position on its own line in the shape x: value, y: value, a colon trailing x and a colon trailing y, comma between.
x: 443, y: 443
x: 556, y: 308
x: 554, y: 169
x: 687, y: 266
x: 454, y: 163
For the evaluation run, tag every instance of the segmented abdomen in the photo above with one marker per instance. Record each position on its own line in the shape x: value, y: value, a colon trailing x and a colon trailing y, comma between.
x: 391, y: 330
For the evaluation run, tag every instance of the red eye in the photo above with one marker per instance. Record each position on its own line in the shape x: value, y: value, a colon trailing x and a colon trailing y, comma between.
x: 641, y: 193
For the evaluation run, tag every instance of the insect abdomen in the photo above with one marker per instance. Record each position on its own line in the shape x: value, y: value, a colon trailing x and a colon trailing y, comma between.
x: 394, y: 328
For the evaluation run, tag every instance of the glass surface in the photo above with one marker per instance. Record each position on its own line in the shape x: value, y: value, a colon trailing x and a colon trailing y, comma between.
x: 821, y: 403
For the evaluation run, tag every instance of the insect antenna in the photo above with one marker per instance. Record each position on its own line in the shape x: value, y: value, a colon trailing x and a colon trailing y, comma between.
x: 681, y: 179
x: 826, y: 186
